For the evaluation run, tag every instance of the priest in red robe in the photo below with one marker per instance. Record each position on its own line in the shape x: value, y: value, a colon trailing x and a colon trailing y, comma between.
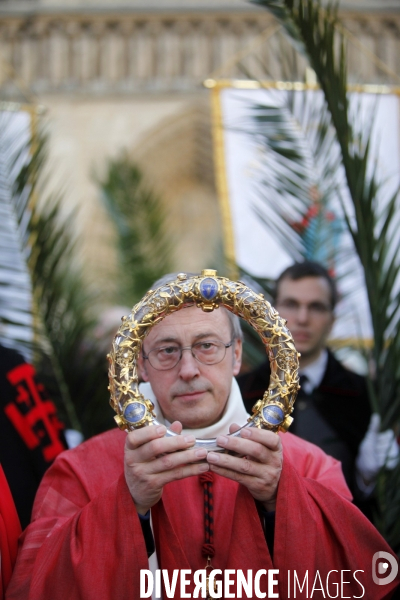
x: 121, y: 504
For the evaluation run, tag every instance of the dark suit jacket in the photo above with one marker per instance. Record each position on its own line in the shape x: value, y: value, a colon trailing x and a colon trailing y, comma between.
x: 341, y: 400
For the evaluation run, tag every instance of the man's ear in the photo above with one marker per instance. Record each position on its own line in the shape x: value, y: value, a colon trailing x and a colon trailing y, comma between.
x: 333, y: 319
x: 142, y: 368
x: 237, y: 356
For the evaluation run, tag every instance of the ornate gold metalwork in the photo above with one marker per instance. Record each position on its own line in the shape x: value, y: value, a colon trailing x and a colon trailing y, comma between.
x: 208, y: 568
x: 208, y: 291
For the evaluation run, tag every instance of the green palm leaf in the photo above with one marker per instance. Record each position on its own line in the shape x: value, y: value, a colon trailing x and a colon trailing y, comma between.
x: 140, y: 219
x: 301, y: 163
x: 45, y: 306
x: 16, y: 328
x: 312, y: 29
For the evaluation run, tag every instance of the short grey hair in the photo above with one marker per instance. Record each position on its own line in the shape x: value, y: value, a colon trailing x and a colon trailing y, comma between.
x: 234, y: 320
x: 236, y: 329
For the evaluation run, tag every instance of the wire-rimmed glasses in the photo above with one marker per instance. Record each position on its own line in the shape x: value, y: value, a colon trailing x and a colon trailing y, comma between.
x: 206, y: 352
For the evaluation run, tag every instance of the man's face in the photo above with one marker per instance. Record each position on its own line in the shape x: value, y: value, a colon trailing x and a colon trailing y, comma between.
x: 192, y: 393
x: 306, y: 305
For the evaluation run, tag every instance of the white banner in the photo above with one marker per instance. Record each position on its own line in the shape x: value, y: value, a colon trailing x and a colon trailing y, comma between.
x: 252, y: 184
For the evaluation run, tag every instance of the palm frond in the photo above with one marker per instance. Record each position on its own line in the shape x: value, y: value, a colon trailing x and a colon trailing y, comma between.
x: 296, y: 195
x: 16, y: 328
x: 371, y: 217
x: 44, y: 302
x: 139, y: 217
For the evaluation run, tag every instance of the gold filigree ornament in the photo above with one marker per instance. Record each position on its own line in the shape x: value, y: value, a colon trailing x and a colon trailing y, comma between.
x: 208, y: 292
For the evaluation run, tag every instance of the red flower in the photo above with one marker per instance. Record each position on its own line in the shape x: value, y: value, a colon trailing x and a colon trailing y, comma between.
x: 313, y: 210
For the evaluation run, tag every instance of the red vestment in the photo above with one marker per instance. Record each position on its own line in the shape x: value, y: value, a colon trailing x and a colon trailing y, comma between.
x: 86, y: 541
x: 10, y: 529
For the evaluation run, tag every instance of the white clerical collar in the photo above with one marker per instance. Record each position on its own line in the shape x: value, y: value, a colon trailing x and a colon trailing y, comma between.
x: 234, y: 412
x: 315, y: 372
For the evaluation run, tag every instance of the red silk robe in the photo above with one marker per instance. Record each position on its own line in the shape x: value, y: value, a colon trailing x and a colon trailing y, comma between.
x: 85, y: 541
x: 10, y: 529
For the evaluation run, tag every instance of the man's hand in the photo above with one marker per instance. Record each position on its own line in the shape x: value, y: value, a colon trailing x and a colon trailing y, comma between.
x: 258, y: 466
x: 152, y: 460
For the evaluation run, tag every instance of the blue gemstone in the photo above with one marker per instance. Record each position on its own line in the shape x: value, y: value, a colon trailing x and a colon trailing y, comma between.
x: 209, y: 288
x: 273, y: 414
x: 134, y: 412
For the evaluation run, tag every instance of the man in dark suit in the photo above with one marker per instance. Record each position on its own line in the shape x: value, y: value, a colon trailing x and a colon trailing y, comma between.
x: 332, y: 409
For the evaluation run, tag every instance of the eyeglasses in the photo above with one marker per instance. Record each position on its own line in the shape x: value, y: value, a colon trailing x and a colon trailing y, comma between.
x: 316, y: 309
x: 167, y: 357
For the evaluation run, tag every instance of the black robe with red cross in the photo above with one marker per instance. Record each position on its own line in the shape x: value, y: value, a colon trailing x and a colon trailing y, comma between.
x: 30, y: 432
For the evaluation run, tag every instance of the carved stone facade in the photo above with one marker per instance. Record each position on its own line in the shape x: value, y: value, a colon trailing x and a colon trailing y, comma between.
x: 129, y: 52
x: 125, y: 54
x: 128, y: 75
